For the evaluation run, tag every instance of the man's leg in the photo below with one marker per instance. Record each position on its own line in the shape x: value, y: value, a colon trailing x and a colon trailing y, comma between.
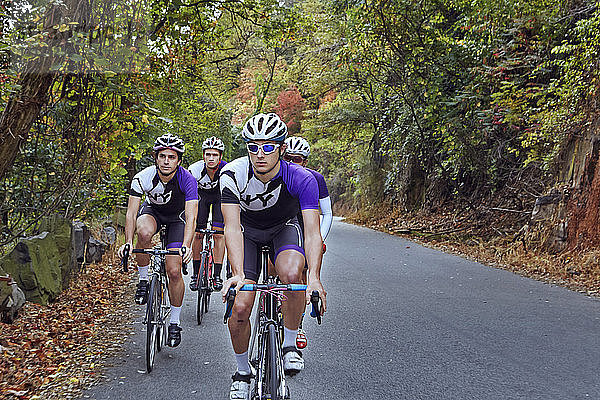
x: 239, y: 331
x: 146, y: 227
x: 201, y: 221
x: 219, y: 253
x: 176, y: 292
x: 175, y: 231
x: 196, y: 251
x: 289, y: 265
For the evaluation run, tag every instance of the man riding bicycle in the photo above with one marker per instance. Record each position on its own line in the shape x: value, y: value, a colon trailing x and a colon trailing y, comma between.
x: 207, y: 173
x: 297, y: 150
x: 171, y: 199
x: 260, y: 198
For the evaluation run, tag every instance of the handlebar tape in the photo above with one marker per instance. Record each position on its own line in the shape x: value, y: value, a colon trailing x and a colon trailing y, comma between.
x: 125, y: 260
x: 315, y: 312
x: 230, y: 299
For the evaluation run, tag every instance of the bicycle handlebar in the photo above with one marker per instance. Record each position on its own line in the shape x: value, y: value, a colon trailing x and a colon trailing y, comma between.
x: 294, y: 287
x: 155, y: 252
x: 209, y: 231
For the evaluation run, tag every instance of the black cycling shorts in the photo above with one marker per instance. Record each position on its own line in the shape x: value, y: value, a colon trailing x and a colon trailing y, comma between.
x: 286, y: 237
x: 175, y: 224
x: 206, y: 200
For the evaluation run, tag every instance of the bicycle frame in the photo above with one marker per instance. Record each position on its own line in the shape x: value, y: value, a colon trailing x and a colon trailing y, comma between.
x: 267, y: 331
x: 157, y: 306
x: 205, y: 280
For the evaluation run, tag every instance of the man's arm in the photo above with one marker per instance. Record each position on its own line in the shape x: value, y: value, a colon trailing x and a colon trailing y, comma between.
x: 133, y: 206
x: 325, y: 206
x: 234, y: 241
x: 313, y: 248
x: 191, y: 210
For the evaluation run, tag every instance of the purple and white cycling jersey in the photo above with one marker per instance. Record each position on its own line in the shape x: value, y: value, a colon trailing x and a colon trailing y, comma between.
x: 205, y: 184
x: 167, y: 198
x: 266, y: 205
x: 323, y: 192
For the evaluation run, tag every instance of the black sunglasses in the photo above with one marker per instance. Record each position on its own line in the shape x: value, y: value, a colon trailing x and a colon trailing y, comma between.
x: 293, y: 158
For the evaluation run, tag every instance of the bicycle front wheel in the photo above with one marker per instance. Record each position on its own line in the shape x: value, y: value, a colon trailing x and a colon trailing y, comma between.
x: 202, y: 287
x: 152, y: 316
x: 209, y: 282
x: 161, y: 331
x: 274, y: 361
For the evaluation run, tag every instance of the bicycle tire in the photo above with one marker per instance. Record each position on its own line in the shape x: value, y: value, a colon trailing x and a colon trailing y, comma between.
x: 152, y: 314
x: 209, y: 272
x: 200, y: 304
x: 161, y: 332
x: 274, y: 378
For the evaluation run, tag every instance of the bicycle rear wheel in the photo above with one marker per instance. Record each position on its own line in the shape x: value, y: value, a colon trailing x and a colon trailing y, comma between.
x: 152, y: 316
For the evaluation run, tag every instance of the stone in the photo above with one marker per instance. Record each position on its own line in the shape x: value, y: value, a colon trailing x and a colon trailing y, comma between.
x: 95, y: 250
x: 13, y: 302
x: 108, y: 235
x: 61, y: 231
x: 81, y: 235
x: 35, y: 265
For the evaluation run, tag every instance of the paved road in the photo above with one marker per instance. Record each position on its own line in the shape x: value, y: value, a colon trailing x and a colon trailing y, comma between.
x: 404, y: 322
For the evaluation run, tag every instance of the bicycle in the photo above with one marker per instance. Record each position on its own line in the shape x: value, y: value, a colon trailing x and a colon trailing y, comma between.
x: 205, y: 279
x: 265, y: 351
x: 157, y: 306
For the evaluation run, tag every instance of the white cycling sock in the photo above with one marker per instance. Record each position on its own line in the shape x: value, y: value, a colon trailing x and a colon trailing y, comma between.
x: 175, y: 312
x: 243, y: 366
x: 289, y: 337
x: 143, y: 271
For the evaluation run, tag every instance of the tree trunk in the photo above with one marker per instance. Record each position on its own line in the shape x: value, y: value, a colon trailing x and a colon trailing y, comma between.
x: 36, y: 78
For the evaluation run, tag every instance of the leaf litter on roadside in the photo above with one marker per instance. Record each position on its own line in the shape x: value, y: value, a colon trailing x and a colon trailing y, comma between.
x: 53, y: 352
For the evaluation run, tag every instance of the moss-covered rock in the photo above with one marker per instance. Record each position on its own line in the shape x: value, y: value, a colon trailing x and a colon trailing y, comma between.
x: 35, y: 264
x: 61, y: 231
x: 119, y: 217
x: 5, y: 288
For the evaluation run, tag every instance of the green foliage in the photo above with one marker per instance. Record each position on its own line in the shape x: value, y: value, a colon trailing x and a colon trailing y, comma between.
x: 401, y: 100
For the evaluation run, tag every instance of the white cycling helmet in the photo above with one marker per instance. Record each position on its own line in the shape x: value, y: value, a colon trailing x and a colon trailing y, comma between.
x: 168, y: 141
x: 297, y: 145
x: 264, y: 127
x: 213, y: 143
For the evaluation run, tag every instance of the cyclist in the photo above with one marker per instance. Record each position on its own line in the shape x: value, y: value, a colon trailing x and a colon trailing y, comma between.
x: 207, y: 172
x: 260, y: 198
x: 171, y: 199
x: 297, y: 151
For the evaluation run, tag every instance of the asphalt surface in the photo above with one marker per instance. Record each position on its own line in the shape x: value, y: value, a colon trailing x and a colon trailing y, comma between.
x: 403, y: 322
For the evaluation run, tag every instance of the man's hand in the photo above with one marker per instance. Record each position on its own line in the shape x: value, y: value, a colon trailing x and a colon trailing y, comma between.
x: 315, y: 284
x: 186, y: 254
x: 121, y: 251
x: 236, y: 281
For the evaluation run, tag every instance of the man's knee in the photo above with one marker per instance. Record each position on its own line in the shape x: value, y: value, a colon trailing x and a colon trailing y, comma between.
x: 242, y: 308
x: 145, y: 235
x: 174, y: 271
x: 290, y: 271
